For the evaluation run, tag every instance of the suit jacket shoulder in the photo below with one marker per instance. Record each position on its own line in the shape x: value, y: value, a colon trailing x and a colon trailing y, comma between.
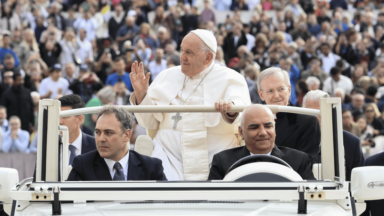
x: 87, y: 143
x: 353, y: 153
x: 375, y: 160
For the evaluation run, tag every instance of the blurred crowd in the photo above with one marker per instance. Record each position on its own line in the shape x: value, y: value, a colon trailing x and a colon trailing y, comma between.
x: 51, y: 48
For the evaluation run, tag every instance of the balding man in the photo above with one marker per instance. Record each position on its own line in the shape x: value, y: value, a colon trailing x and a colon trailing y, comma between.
x: 257, y: 129
x: 186, y: 142
x: 300, y: 132
x: 353, y: 154
x: 357, y: 105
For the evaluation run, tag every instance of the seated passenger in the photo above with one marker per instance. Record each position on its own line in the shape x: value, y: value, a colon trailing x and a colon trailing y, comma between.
x: 257, y: 129
x: 112, y: 160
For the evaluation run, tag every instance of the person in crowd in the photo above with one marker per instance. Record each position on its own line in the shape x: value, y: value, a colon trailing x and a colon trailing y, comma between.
x: 7, y: 49
x: 120, y: 74
x: 79, y: 142
x: 313, y: 83
x: 142, y: 52
x: 197, y: 58
x: 4, y: 124
x: 82, y: 86
x: 337, y: 80
x: 70, y: 73
x: 233, y: 41
x: 84, y: 47
x: 127, y: 31
x: 27, y: 47
x: 315, y: 70
x: 54, y: 85
x: 9, y: 19
x: 257, y: 129
x: 158, y: 64
x: 366, y: 132
x: 7, y: 82
x: 189, y: 21
x: 348, y: 123
x: 146, y: 34
x: 370, y: 96
x: 302, y: 90
x: 327, y: 57
x: 116, y: 21
x: 357, y: 105
x: 68, y: 46
x: 88, y: 23
x: 352, y: 150
x: 122, y: 93
x: 15, y: 139
x: 112, y: 161
x: 18, y: 102
x: 375, y: 207
x: 300, y: 132
x: 373, y: 114
x: 56, y: 13
x: 50, y: 52
x: 207, y: 14
x: 52, y: 32
x: 312, y: 25
x: 104, y: 96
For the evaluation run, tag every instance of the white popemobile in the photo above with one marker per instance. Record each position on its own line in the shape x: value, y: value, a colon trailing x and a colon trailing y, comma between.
x: 290, y: 195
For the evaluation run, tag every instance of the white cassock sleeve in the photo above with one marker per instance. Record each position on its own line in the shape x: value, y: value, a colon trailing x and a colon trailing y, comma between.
x: 146, y: 120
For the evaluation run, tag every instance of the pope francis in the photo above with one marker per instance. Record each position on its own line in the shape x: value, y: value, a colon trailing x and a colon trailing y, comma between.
x: 186, y: 142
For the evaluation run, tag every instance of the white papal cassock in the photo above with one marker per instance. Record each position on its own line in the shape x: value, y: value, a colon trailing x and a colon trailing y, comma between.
x: 187, y: 151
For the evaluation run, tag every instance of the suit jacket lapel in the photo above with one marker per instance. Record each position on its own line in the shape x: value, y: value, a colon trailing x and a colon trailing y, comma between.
x: 134, y: 168
x: 101, y: 169
x: 85, y: 146
x: 276, y: 152
x: 284, y: 127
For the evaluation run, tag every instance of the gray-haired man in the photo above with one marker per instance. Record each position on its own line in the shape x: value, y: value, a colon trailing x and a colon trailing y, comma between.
x: 300, y: 132
x: 112, y: 160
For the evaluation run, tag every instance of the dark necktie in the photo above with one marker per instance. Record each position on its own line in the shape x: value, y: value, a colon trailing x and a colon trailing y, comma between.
x: 72, y: 149
x: 119, y: 172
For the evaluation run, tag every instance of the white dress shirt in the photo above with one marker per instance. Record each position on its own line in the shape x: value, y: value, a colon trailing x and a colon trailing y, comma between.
x: 77, y: 144
x: 84, y: 49
x: 269, y: 153
x: 123, y: 162
x: 155, y: 68
x: 89, y: 25
x: 345, y: 83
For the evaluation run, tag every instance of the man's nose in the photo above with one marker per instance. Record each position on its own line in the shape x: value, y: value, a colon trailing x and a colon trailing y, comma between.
x: 276, y: 94
x: 61, y: 121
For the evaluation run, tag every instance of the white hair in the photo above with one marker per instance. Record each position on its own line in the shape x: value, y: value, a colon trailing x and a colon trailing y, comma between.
x: 270, y: 72
x: 163, y: 29
x: 312, y: 80
x: 342, y: 92
x: 315, y: 95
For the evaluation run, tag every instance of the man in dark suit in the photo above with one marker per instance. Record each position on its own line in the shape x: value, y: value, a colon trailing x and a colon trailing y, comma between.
x: 233, y: 41
x: 112, y: 160
x: 257, y: 129
x: 80, y: 142
x: 352, y: 150
x: 375, y: 207
x: 300, y: 132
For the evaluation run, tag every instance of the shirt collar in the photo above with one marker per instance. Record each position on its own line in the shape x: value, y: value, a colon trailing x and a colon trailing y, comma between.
x: 204, y: 72
x: 77, y: 142
x: 123, y: 162
x: 5, y: 123
x: 269, y: 153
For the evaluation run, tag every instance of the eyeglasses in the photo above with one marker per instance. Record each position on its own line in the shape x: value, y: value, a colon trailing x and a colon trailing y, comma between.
x: 280, y: 90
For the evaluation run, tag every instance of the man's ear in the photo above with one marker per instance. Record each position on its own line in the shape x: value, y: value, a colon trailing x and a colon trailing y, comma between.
x: 208, y: 58
x: 81, y: 118
x: 241, y: 132
x: 127, y: 134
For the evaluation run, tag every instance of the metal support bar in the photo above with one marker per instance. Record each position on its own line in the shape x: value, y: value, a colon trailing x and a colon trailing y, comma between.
x: 302, y: 202
x: 56, y: 205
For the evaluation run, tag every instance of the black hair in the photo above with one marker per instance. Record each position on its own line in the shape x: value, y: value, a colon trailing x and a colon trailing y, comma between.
x: 345, y: 110
x: 15, y: 75
x: 119, y: 58
x: 72, y: 100
x: 303, y: 86
x: 372, y: 90
x: 325, y: 44
x: 340, y: 63
x: 334, y: 71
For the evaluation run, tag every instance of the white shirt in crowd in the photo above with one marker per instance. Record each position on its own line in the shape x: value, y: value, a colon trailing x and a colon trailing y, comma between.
x: 155, y: 68
x: 123, y: 162
x: 89, y: 25
x: 329, y: 61
x: 344, y: 82
x: 84, y: 49
x: 48, y: 84
x: 251, y: 41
